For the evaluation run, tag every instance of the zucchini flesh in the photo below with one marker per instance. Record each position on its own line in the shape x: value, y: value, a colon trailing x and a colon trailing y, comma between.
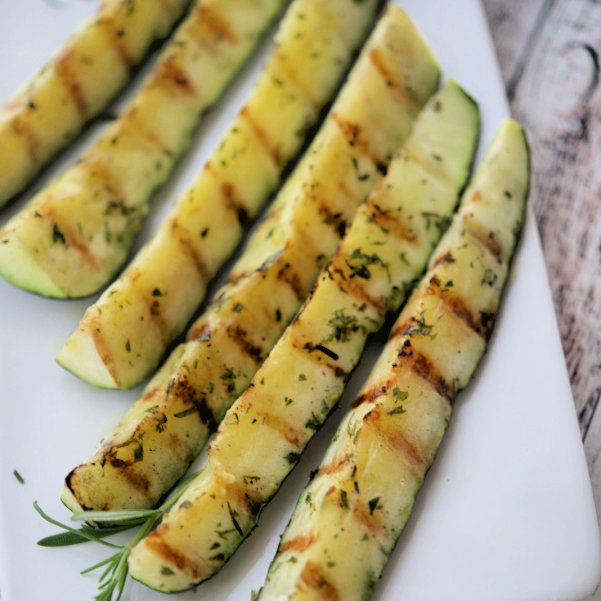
x: 348, y: 519
x: 75, y: 233
x: 123, y: 336
x: 78, y: 82
x: 169, y: 425
x: 260, y: 439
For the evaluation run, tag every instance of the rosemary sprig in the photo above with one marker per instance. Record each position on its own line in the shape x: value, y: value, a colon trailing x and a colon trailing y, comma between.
x: 115, y: 568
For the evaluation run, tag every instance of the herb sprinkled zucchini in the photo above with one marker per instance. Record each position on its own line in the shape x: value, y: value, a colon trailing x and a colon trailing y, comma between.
x: 166, y: 428
x: 349, y: 517
x: 77, y: 231
x: 266, y: 429
x: 123, y: 336
x: 78, y: 82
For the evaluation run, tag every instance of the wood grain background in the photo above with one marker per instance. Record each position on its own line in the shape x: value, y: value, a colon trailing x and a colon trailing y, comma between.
x: 549, y: 52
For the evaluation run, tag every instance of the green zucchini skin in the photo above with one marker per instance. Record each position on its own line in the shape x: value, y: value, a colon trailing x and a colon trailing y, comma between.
x: 350, y: 516
x: 93, y: 65
x: 124, y: 335
x: 75, y: 233
x: 263, y: 433
x: 167, y: 427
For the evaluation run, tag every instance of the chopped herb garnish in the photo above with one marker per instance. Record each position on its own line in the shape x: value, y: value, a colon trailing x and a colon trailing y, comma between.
x: 18, y: 476
x: 360, y: 262
x: 128, y: 346
x: 343, y: 499
x: 343, y: 326
x: 421, y: 328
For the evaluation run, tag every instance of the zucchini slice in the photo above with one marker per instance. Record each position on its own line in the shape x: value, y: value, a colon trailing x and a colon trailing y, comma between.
x: 123, y: 336
x: 182, y: 405
x: 349, y: 517
x: 75, y: 233
x: 260, y: 439
x: 78, y: 83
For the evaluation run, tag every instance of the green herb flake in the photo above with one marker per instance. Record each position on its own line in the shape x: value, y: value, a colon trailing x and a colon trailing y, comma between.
x: 373, y: 505
x: 18, y: 477
x: 343, y: 499
x: 185, y: 412
x: 302, y: 377
x: 57, y: 235
x: 399, y: 395
x: 288, y: 401
x: 489, y: 278
x: 167, y: 571
x: 128, y: 346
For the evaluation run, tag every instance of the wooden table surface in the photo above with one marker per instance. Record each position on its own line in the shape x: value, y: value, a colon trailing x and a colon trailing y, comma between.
x: 549, y: 55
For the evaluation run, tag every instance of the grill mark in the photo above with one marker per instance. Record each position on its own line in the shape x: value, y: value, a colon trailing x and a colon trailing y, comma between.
x: 372, y: 394
x: 423, y: 367
x: 310, y: 350
x: 457, y: 305
x: 132, y: 118
x: 191, y: 251
x: 259, y: 132
x: 298, y: 544
x: 352, y: 133
x: 24, y: 129
x: 313, y: 577
x: 169, y: 72
x: 390, y: 222
x: 102, y: 349
x: 135, y: 479
x: 491, y: 245
x: 397, y: 441
x: 217, y: 25
x: 228, y: 192
x: 72, y: 241
x: 116, y: 40
x: 240, y: 337
x: 292, y: 76
x: 355, y: 289
x: 406, y: 92
x: 287, y: 432
x: 199, y: 331
x: 73, y: 87
x: 291, y: 277
x: 333, y: 467
x: 72, y: 486
x: 169, y: 554
x: 182, y: 389
x: 445, y: 259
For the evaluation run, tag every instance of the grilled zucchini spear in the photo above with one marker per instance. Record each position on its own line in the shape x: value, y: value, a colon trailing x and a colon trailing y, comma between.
x: 265, y: 430
x: 77, y: 231
x: 166, y: 428
x: 123, y: 336
x: 349, y: 517
x: 80, y: 81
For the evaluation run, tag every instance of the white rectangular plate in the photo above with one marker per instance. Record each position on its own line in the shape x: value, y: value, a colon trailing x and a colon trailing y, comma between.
x: 507, y: 512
